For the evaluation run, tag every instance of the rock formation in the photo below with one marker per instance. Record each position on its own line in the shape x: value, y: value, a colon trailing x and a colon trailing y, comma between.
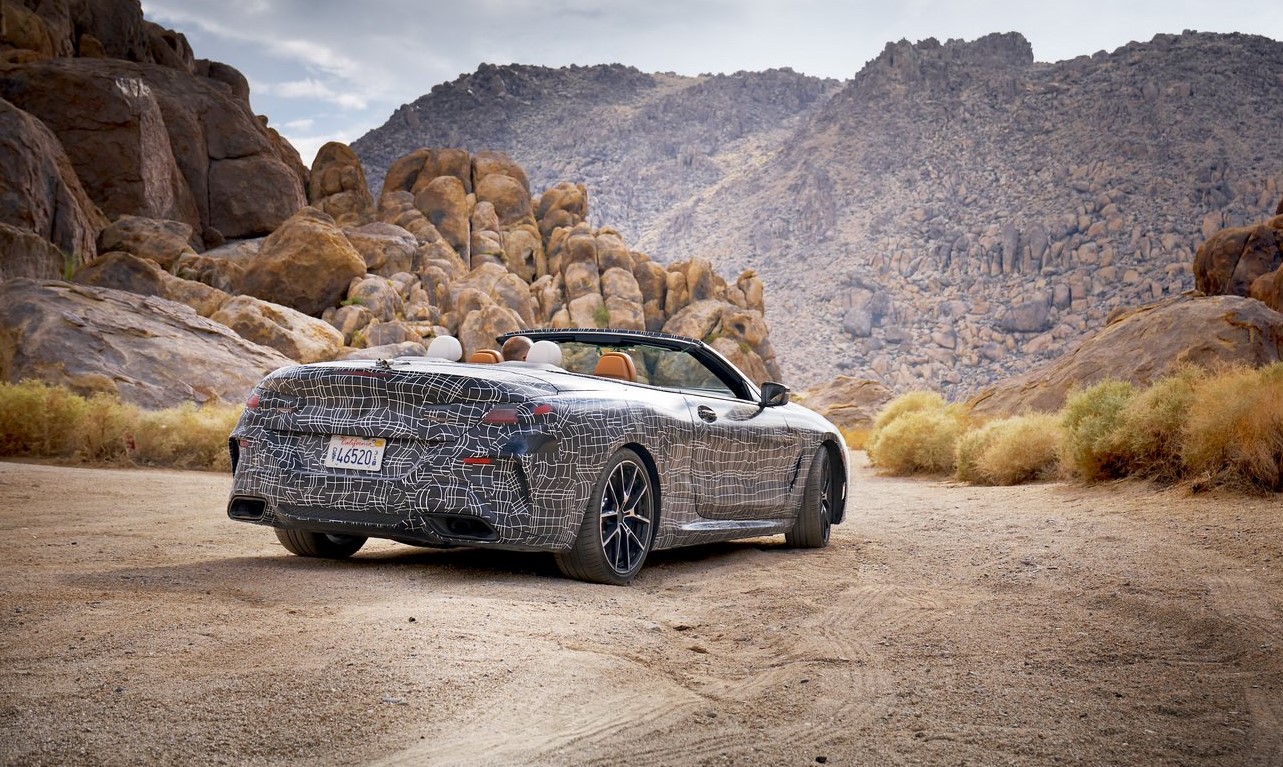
x: 138, y: 172
x: 1143, y: 345
x: 1243, y: 261
x: 149, y: 130
x: 148, y: 351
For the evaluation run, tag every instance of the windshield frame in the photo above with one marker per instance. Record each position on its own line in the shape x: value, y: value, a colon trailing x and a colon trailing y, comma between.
x: 737, y: 384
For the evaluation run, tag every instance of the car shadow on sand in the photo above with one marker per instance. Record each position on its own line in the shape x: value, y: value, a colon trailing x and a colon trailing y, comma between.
x: 272, y: 573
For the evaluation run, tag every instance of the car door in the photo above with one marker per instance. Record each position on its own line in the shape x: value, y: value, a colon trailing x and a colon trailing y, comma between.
x: 744, y: 458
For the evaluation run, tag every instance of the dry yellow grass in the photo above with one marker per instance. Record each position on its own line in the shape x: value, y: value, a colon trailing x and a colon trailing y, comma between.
x: 1151, y: 426
x: 1221, y: 428
x: 855, y: 438
x: 1234, y: 432
x: 1090, y: 418
x: 917, y: 442
x: 1011, y: 451
x: 42, y: 421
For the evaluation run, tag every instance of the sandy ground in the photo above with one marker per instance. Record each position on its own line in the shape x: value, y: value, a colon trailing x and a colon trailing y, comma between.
x: 945, y: 625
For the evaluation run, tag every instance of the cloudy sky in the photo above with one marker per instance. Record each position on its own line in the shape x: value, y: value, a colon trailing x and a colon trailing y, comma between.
x: 330, y: 70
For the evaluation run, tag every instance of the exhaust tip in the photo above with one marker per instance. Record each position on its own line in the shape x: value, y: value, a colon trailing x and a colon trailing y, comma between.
x: 247, y: 509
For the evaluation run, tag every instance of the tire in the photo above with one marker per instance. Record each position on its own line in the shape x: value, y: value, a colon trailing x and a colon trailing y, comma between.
x: 618, y: 527
x: 305, y: 544
x: 815, y: 517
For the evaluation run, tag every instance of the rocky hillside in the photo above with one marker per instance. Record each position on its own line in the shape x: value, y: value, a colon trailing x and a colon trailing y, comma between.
x: 953, y: 214
x: 638, y: 142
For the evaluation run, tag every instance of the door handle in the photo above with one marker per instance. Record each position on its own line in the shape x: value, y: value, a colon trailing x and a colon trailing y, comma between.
x: 706, y: 413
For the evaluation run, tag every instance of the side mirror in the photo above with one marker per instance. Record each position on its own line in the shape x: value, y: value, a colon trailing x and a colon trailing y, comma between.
x: 774, y: 394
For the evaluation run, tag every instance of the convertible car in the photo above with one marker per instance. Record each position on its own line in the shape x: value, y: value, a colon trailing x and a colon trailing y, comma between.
x: 600, y: 447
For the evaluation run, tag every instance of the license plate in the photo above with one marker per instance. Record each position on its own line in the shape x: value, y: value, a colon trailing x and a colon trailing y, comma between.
x: 361, y: 453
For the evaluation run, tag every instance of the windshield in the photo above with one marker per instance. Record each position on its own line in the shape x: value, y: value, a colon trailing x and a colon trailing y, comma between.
x: 656, y: 366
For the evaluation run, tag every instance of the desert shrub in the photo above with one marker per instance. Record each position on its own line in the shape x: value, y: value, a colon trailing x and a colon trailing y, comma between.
x: 1151, y: 426
x: 1022, y: 448
x: 921, y: 441
x: 1091, y: 448
x: 105, y: 431
x: 39, y: 420
x: 185, y: 437
x: 1234, y: 431
x: 907, y: 403
x: 42, y: 421
x: 970, y: 446
x: 911, y: 402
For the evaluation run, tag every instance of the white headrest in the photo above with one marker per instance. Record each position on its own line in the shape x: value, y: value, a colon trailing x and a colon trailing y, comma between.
x: 546, y: 352
x: 445, y: 348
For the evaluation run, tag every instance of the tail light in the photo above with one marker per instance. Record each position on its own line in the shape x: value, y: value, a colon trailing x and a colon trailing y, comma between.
x: 510, y: 415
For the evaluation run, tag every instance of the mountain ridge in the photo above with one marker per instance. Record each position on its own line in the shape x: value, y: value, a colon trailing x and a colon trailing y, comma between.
x: 953, y: 214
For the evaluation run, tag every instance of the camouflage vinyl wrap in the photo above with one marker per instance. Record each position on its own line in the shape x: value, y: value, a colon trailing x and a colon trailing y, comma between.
x: 515, y: 446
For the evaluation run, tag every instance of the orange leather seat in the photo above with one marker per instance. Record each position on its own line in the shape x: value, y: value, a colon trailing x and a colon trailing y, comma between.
x: 485, y: 356
x: 616, y: 365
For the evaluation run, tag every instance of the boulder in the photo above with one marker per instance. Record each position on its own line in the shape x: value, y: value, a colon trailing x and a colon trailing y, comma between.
x: 337, y: 186
x: 754, y: 291
x: 423, y: 165
x: 386, y: 248
x: 22, y: 31
x: 523, y: 253
x: 306, y: 264
x: 490, y: 163
x: 548, y: 298
x: 1229, y: 261
x: 163, y: 242
x: 581, y: 279
x: 222, y: 268
x: 624, y: 314
x: 41, y: 194
x: 748, y: 363
x: 612, y: 253
x: 739, y: 334
x: 1033, y: 316
x: 1143, y: 345
x: 479, y: 328
x: 27, y: 254
x: 497, y: 285
x: 697, y: 320
x: 381, y: 334
x: 564, y: 205
x: 620, y: 283
x: 300, y: 337
x: 486, y: 239
x: 124, y: 271
x: 444, y: 200
x: 148, y: 351
x: 676, y: 294
x: 1268, y: 289
x: 349, y: 320
x: 509, y: 196
x: 159, y: 142
x: 587, y: 311
x: 381, y: 296
x: 851, y: 403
